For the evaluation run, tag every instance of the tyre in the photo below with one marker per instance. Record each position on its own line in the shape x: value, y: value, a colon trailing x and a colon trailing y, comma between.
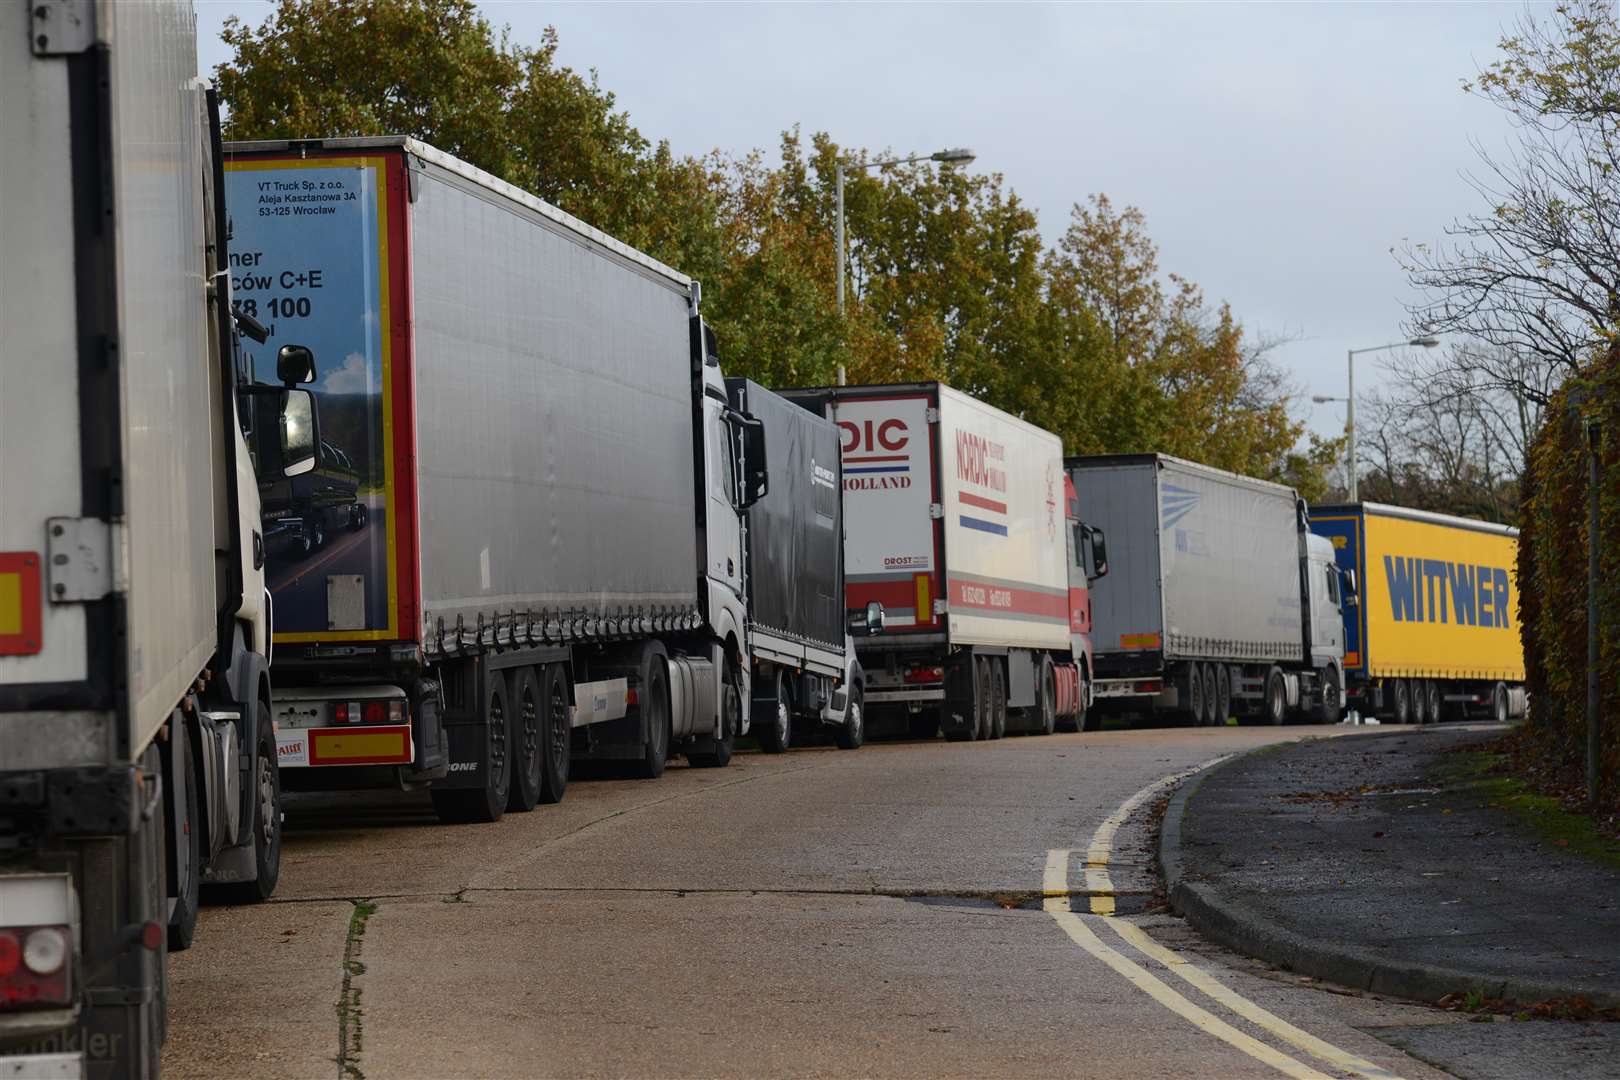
x: 1276, y: 697
x: 1223, y: 694
x: 654, y: 703
x: 1046, y: 705
x: 1196, y: 708
x: 487, y: 803
x: 1499, y: 703
x: 358, y: 517
x: 1212, y: 706
x: 717, y: 749
x: 266, y: 821
x: 317, y: 534
x: 1089, y: 719
x: 1403, y: 701
x: 853, y: 732
x: 183, y: 849
x: 1417, y: 690
x: 306, y: 545
x: 998, y: 699
x: 556, y: 733
x: 1431, y: 694
x: 984, y: 698
x: 524, y: 791
x: 774, y: 717
x: 1330, y: 704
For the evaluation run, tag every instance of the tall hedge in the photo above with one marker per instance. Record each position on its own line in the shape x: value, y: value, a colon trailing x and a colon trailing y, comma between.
x: 1552, y: 575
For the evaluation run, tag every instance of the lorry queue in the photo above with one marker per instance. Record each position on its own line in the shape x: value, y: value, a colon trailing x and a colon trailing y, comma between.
x: 499, y: 511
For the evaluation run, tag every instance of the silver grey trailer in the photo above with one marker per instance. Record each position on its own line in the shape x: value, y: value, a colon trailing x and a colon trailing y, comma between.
x: 1219, y: 600
x: 525, y: 545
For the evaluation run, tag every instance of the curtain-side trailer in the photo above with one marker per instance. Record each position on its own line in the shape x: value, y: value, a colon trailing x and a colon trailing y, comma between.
x: 1435, y: 632
x: 958, y: 522
x: 548, y: 565
x: 806, y: 676
x: 1219, y: 599
x: 137, y: 757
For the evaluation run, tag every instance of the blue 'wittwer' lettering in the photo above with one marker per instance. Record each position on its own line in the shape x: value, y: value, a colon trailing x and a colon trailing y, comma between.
x: 1418, y: 589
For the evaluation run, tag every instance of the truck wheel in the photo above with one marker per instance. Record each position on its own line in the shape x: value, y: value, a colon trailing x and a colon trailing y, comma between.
x: 1499, y: 703
x: 1330, y: 706
x: 358, y: 517
x: 853, y: 732
x: 525, y: 742
x: 487, y: 803
x: 1403, y: 701
x: 654, y: 703
x: 184, y: 847
x: 998, y: 699
x: 316, y: 531
x: 1211, y: 697
x: 1223, y: 694
x: 1046, y: 707
x: 776, y: 732
x: 717, y: 754
x: 266, y: 821
x: 1431, y: 691
x: 1195, y: 695
x: 984, y: 698
x: 556, y: 733
x: 1420, y: 701
x: 1276, y: 697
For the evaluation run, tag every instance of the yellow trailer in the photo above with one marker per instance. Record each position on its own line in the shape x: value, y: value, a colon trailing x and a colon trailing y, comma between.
x: 1434, y: 629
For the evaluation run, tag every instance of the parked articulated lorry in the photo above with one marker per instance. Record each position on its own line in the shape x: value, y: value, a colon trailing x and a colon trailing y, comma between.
x: 551, y: 563
x: 1221, y: 602
x: 806, y: 676
x: 137, y: 758
x: 958, y: 521
x: 1435, y: 634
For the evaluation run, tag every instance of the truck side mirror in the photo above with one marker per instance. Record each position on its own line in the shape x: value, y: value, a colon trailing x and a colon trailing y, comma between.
x: 1096, y: 549
x: 300, y: 433
x: 756, y: 477
x: 295, y: 364
x: 868, y: 622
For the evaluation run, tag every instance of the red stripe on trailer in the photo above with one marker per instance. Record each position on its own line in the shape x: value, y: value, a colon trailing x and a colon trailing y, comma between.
x: 969, y: 499
x: 986, y: 596
x: 407, y: 570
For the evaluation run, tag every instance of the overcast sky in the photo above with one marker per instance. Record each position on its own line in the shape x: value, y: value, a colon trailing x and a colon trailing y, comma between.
x: 1278, y: 152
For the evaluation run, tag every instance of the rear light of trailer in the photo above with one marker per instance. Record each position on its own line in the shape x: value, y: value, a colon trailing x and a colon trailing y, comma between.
x: 1149, y: 686
x: 35, y: 966
x: 368, y: 712
x: 925, y: 674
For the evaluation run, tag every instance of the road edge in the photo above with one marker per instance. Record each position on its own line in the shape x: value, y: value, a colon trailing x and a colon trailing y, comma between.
x: 1230, y: 923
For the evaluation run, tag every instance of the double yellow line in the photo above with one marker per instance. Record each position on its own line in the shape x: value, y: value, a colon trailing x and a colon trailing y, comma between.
x: 1100, y: 887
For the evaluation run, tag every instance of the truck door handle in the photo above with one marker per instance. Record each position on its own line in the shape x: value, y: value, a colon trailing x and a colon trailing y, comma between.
x: 258, y: 550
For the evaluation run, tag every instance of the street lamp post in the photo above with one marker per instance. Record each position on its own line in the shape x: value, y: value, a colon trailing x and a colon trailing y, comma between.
x: 1425, y: 342
x: 954, y: 156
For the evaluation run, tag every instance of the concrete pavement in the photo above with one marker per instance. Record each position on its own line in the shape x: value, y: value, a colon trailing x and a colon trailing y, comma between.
x: 820, y: 913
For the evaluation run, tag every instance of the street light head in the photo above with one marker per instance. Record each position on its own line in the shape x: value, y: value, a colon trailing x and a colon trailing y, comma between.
x: 959, y: 155
x: 1427, y: 341
x: 1322, y: 400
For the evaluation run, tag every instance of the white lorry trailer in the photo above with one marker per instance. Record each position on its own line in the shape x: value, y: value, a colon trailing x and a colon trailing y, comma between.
x: 958, y: 521
x: 137, y: 758
x: 539, y: 552
x: 1220, y: 597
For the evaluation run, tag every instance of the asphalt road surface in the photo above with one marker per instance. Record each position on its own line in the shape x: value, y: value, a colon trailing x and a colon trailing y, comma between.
x: 908, y: 909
